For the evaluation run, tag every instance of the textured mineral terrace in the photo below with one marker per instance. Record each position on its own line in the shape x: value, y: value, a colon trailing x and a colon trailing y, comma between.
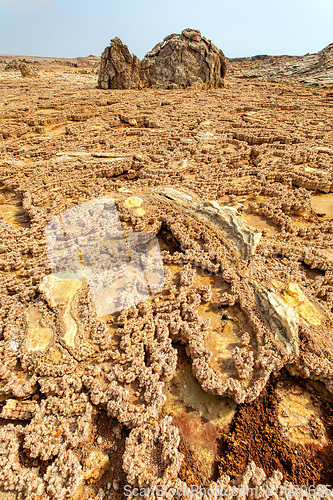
x: 312, y: 69
x: 224, y: 378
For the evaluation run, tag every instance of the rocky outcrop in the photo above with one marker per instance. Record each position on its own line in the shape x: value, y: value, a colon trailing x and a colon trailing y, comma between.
x: 28, y: 71
x: 183, y: 61
x: 119, y: 69
x: 179, y: 61
x: 13, y: 65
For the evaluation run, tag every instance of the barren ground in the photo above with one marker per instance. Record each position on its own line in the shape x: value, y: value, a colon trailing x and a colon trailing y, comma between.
x: 81, y: 418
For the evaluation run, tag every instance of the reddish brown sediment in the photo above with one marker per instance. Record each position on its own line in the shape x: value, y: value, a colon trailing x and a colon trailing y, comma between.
x: 288, y: 428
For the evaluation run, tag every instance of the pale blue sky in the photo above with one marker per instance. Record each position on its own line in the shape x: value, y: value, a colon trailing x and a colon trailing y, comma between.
x: 239, y: 27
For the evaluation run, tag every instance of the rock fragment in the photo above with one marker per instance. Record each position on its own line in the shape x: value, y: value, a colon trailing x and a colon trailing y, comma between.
x: 96, y: 465
x: 282, y: 318
x: 19, y: 410
x: 226, y: 220
x: 28, y: 71
x: 232, y: 226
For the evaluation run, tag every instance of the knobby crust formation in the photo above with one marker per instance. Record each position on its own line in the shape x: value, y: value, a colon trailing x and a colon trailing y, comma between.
x: 224, y: 378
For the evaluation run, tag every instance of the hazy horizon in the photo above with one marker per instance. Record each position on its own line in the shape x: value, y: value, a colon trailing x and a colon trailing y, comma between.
x: 291, y: 27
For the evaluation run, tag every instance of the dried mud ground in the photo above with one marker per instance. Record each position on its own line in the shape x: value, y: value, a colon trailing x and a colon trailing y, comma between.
x: 197, y: 384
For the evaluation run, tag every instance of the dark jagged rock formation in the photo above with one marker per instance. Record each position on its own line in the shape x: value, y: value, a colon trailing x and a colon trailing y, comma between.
x: 179, y: 61
x: 119, y: 69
